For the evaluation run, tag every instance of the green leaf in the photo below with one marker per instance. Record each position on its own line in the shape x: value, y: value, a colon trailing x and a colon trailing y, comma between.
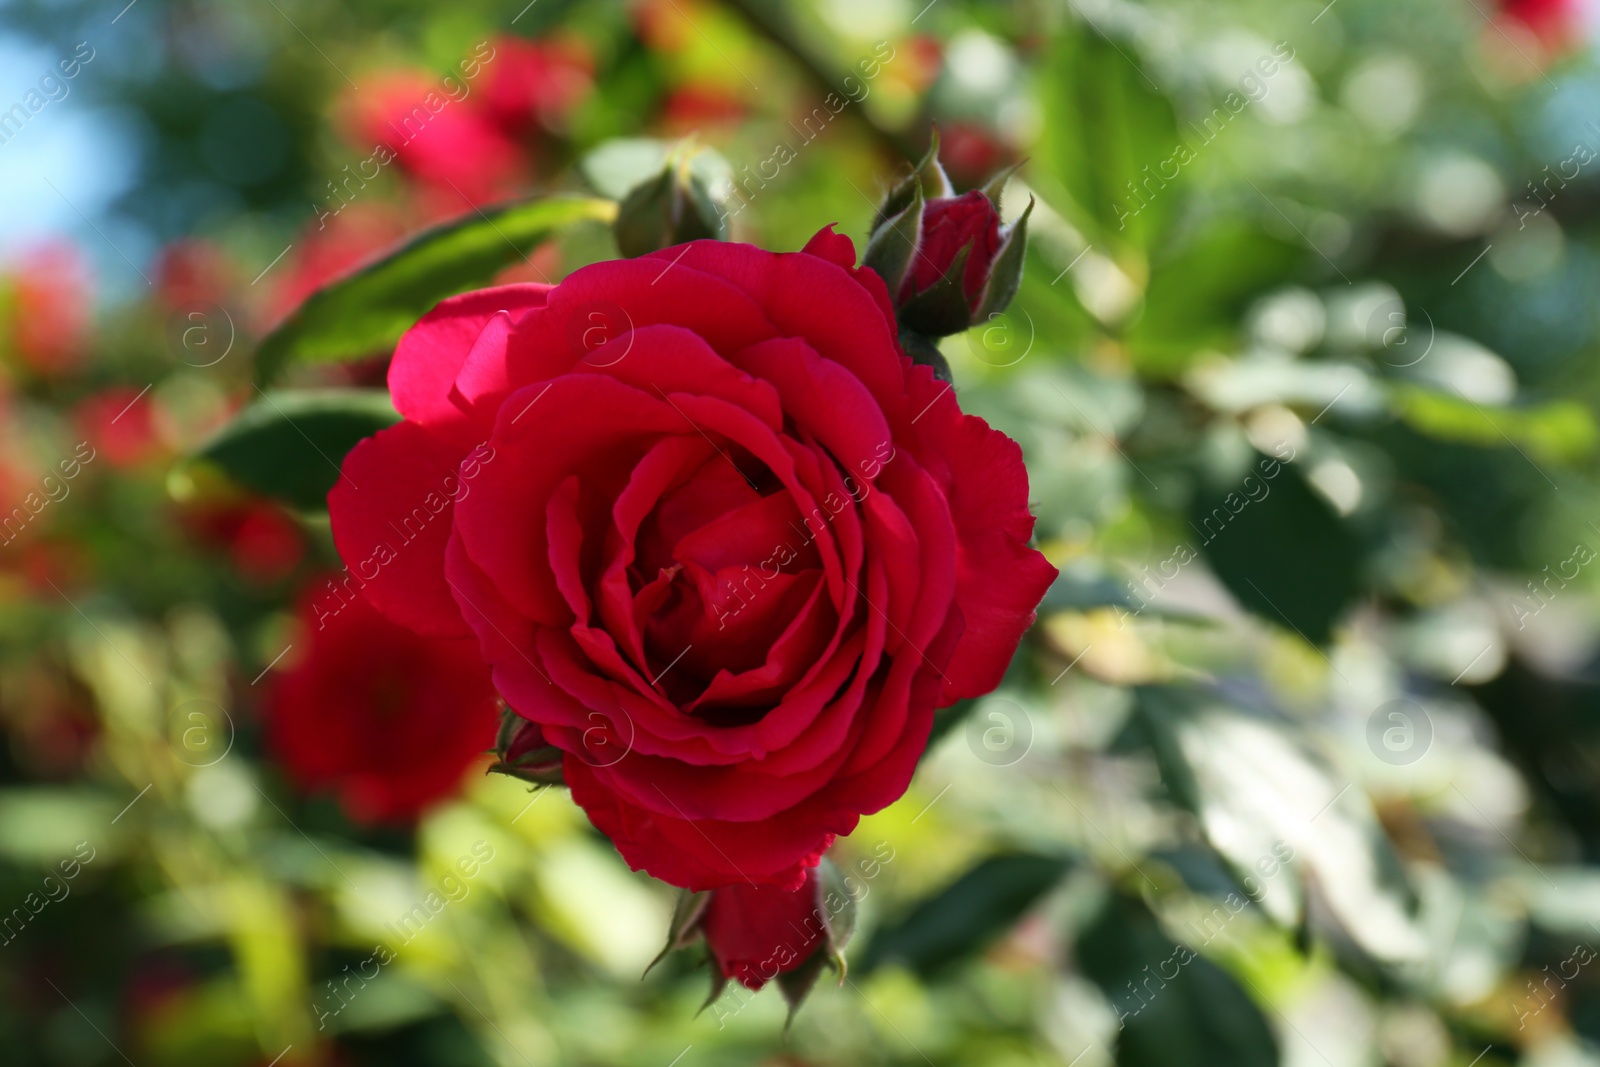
x: 367, y: 311
x: 289, y: 444
x: 1280, y: 820
x: 1175, y: 1008
x: 1557, y: 431
x: 966, y: 915
x: 1198, y: 294
x: 1107, y: 129
x: 1279, y: 547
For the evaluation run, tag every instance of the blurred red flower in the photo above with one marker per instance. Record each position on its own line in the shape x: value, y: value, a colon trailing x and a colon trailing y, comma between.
x: 50, y: 304
x: 262, y: 542
x: 530, y: 85
x: 440, y: 138
x: 387, y: 720
x: 699, y: 105
x: 1556, y: 23
x: 971, y: 153
x: 192, y: 271
x: 120, y: 423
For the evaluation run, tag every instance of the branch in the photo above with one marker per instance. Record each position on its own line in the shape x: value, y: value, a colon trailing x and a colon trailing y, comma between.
x: 773, y: 27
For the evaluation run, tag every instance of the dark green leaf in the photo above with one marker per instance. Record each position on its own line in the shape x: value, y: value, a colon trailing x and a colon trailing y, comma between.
x: 289, y: 444
x: 1286, y: 556
x: 966, y: 915
x: 367, y: 311
x: 1175, y: 1008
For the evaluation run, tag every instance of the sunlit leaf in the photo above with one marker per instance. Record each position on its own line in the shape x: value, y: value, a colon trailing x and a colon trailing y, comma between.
x: 366, y: 312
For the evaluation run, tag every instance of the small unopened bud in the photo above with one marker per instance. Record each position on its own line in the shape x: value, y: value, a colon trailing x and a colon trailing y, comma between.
x: 755, y: 934
x: 522, y: 752
x: 670, y: 208
x: 948, y: 261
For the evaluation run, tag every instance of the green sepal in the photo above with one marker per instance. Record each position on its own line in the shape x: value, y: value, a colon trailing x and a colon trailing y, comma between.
x: 1005, y: 274
x: 719, y: 982
x: 928, y: 179
x: 539, y: 764
x: 893, y: 246
x: 924, y: 351
x: 942, y: 308
x: 797, y: 984
x: 996, y: 185
x: 687, y: 911
x: 840, y: 924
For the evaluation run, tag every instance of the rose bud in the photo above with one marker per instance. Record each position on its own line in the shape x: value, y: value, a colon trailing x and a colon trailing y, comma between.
x: 757, y: 934
x: 524, y: 753
x: 947, y: 259
x: 674, y: 206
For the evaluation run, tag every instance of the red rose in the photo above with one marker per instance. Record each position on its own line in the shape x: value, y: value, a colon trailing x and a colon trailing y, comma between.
x: 385, y: 718
x: 755, y: 933
x: 950, y: 224
x: 534, y: 84
x: 716, y: 534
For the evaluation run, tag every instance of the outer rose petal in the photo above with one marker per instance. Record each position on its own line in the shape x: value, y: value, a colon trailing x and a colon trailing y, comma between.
x: 430, y: 355
x: 391, y: 513
x: 704, y: 854
x: 1000, y: 580
x: 839, y: 250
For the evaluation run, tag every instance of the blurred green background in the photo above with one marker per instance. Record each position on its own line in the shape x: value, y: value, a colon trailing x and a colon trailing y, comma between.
x: 1299, y: 764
